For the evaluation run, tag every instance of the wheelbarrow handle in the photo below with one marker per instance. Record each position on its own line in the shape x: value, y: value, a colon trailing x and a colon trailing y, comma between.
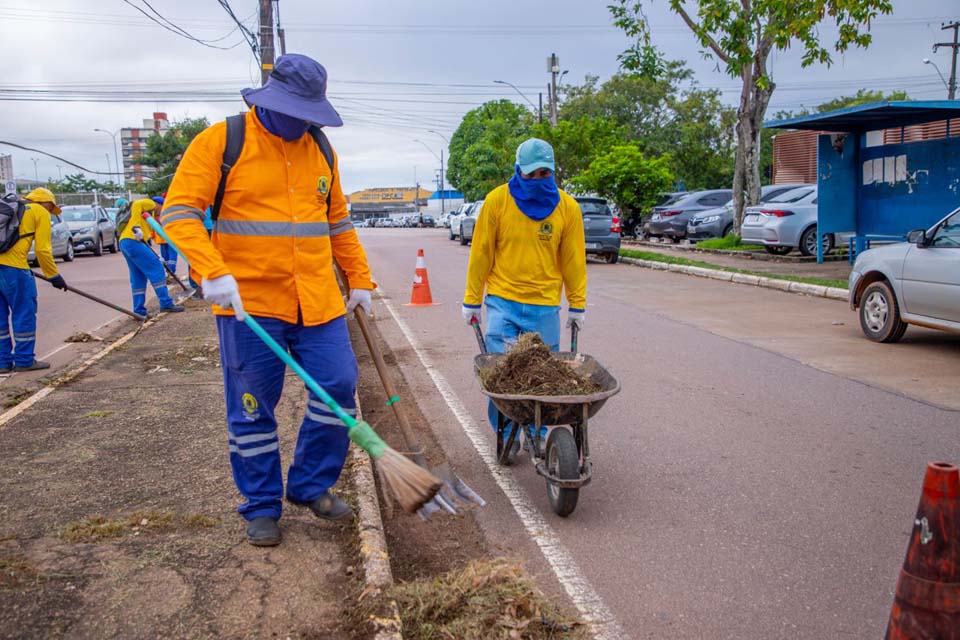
x: 479, y: 333
x: 574, y: 334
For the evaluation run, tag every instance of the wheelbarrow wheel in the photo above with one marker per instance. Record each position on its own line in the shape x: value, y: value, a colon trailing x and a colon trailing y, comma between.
x: 563, y: 461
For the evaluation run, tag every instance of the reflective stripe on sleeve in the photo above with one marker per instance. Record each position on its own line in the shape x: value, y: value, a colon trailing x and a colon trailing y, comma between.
x: 273, y: 229
x: 341, y: 227
x: 180, y: 212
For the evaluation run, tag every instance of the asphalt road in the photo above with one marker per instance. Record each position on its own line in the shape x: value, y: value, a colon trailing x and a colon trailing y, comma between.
x: 757, y: 476
x: 62, y: 313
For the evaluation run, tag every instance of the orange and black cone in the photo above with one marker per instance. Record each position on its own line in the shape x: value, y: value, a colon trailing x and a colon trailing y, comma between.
x: 420, y: 296
x: 927, y: 602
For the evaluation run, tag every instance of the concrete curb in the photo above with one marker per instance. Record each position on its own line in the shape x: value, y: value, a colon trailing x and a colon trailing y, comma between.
x: 832, y: 293
x: 373, y: 542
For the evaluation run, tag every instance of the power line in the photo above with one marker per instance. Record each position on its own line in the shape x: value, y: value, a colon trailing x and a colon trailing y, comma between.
x: 175, y: 29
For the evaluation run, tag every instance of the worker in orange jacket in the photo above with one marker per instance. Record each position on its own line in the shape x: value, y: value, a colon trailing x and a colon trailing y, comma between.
x: 281, y: 223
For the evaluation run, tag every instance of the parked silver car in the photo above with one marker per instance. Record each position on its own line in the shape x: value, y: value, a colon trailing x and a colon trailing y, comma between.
x: 787, y: 222
x: 456, y: 220
x: 91, y: 228
x: 717, y: 223
x: 468, y: 222
x: 670, y: 219
x: 60, y: 241
x: 913, y: 282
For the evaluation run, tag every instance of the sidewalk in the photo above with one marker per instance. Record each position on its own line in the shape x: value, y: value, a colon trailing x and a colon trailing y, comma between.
x: 118, y: 513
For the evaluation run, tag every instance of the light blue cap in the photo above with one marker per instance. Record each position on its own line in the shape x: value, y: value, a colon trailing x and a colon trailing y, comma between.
x: 535, y: 154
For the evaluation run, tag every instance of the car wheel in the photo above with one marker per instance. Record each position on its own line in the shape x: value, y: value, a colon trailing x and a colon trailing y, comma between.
x: 638, y: 232
x: 68, y: 256
x: 452, y: 237
x: 463, y: 240
x: 775, y: 250
x: 113, y: 247
x: 808, y: 242
x: 612, y: 257
x: 98, y: 249
x: 675, y: 239
x: 880, y: 314
x: 727, y: 231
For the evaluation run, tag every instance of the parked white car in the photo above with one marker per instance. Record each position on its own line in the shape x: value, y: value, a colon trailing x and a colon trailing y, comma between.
x: 457, y: 218
x: 914, y: 282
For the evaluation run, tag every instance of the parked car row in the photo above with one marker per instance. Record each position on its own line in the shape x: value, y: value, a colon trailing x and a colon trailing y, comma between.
x: 407, y: 221
x: 80, y: 228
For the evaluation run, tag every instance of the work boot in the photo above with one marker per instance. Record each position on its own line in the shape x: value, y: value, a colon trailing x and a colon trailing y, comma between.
x: 173, y: 309
x: 36, y: 365
x: 263, y: 532
x: 6, y: 369
x: 327, y: 506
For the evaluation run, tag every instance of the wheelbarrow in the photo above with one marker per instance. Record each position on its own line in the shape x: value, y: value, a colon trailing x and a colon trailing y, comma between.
x: 564, y: 461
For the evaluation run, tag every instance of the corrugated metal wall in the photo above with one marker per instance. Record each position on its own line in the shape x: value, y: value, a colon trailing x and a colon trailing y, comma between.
x: 795, y: 152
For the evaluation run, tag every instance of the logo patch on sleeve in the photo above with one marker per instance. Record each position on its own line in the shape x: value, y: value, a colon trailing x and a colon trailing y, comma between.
x: 251, y: 408
x: 323, y: 185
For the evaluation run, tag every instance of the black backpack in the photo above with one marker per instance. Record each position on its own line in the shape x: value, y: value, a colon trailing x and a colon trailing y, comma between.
x: 236, y: 132
x: 12, y: 209
x: 123, y: 217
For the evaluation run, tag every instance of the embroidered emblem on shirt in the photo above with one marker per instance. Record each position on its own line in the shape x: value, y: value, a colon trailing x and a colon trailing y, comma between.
x: 545, y: 233
x: 322, y: 185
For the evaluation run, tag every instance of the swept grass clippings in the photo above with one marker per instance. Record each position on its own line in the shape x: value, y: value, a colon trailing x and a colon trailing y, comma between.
x: 97, y: 414
x: 97, y: 527
x: 15, y: 399
x: 529, y: 368
x: 657, y: 257
x: 82, y: 336
x: 16, y: 571
x: 200, y: 521
x: 488, y: 599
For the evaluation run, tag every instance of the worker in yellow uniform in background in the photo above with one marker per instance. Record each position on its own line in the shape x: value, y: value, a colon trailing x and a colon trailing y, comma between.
x: 18, y: 291
x: 528, y: 245
x: 281, y: 223
x: 144, y: 265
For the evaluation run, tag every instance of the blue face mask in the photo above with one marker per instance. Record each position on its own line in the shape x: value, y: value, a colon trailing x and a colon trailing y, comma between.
x: 284, y: 126
x: 536, y: 197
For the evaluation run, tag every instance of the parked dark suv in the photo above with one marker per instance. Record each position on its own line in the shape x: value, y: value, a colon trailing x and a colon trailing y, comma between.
x: 670, y: 220
x: 601, y: 229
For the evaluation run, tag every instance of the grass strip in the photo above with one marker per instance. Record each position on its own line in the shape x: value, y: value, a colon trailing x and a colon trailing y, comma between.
x: 657, y: 257
x: 729, y: 242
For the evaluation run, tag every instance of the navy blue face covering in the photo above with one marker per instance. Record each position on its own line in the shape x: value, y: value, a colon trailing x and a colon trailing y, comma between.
x: 536, y: 197
x: 284, y: 126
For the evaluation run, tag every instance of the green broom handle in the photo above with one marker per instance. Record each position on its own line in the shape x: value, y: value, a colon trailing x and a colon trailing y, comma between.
x: 281, y: 353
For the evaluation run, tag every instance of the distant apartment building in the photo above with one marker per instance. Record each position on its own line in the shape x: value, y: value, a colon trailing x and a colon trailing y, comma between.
x: 6, y: 168
x: 133, y: 143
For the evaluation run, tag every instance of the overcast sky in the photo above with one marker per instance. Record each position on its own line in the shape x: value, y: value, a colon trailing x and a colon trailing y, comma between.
x: 398, y: 68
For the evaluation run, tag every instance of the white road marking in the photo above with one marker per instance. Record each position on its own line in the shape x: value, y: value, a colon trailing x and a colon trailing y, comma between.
x: 588, y: 602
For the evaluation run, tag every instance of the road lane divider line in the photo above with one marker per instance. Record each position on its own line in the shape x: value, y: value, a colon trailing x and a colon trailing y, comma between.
x: 584, y: 597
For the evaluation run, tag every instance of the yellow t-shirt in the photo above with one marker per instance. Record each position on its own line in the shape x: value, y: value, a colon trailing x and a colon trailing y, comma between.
x: 34, y: 228
x: 526, y: 260
x: 136, y: 219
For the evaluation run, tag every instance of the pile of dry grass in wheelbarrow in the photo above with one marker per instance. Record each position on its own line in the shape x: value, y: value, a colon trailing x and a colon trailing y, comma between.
x: 531, y: 369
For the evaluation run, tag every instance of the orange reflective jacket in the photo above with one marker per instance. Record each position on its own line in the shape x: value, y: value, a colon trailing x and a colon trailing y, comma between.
x: 274, y: 233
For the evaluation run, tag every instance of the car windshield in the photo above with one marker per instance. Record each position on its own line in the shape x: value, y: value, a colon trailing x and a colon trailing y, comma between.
x: 792, y: 196
x: 594, y: 207
x: 79, y: 215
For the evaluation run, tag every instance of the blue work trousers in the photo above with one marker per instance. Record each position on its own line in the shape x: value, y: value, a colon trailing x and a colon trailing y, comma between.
x: 18, y: 307
x: 506, y: 320
x: 169, y: 256
x: 253, y: 381
x: 144, y: 266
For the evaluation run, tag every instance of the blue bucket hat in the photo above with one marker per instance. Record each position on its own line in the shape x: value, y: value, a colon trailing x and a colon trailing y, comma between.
x: 535, y: 154
x: 297, y: 87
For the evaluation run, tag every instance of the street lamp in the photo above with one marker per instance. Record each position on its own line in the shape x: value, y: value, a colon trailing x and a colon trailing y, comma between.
x: 116, y: 161
x: 942, y: 79
x: 443, y: 175
x: 36, y: 172
x: 517, y: 90
x: 59, y: 172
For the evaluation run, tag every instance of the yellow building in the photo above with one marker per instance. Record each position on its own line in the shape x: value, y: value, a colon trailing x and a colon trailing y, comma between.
x: 387, y: 201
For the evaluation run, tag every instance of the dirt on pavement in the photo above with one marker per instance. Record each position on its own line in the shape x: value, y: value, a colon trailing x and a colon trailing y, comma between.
x: 118, y: 513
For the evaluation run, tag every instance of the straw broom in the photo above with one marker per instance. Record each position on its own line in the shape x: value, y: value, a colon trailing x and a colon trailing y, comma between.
x: 411, y: 485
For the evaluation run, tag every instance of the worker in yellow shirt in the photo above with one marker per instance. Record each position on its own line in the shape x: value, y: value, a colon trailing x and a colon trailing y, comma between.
x: 528, y: 244
x: 279, y: 221
x: 143, y: 264
x: 18, y: 291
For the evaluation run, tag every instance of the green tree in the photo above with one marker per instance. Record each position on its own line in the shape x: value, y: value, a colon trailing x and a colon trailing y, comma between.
x: 164, y: 152
x: 627, y: 177
x: 740, y: 34
x: 660, y: 117
x: 483, y: 146
x: 577, y: 142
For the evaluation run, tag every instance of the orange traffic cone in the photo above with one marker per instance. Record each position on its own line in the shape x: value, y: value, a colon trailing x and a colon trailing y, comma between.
x: 420, y: 296
x: 927, y: 602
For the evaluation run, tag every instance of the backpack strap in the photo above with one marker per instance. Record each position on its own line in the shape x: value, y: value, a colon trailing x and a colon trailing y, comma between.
x: 236, y: 130
x: 321, y: 139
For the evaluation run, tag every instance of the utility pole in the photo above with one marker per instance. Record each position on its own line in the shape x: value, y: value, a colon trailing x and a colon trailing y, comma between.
x: 266, y: 40
x: 281, y: 34
x: 955, y: 45
x: 553, y: 68
x: 540, y: 109
x: 36, y: 172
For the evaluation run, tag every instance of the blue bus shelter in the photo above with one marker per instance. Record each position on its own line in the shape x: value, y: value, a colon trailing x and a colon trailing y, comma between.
x: 875, y: 188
